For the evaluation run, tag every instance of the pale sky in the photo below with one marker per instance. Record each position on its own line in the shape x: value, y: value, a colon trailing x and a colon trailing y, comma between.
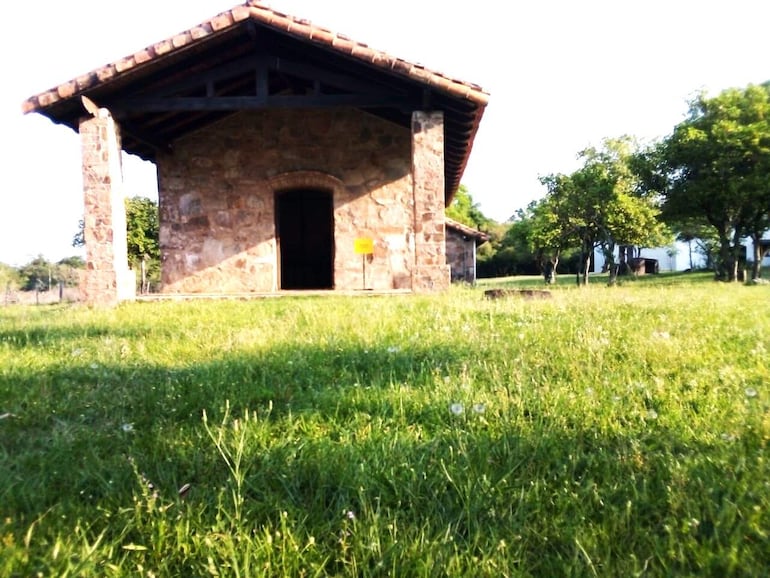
x: 563, y: 75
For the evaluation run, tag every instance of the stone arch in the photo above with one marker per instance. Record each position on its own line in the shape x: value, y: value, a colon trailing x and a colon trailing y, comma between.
x: 306, y: 180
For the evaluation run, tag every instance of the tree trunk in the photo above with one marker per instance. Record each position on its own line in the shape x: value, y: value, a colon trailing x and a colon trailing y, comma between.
x: 608, y: 250
x: 610, y: 264
x: 625, y: 255
x: 585, y: 253
x: 582, y: 258
x: 549, y: 270
x: 756, y: 268
x: 555, y: 264
x: 736, y: 256
x: 727, y: 268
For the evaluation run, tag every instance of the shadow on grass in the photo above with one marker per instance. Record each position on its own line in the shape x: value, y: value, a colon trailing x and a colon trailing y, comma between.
x: 27, y: 335
x: 364, y: 431
x: 69, y: 428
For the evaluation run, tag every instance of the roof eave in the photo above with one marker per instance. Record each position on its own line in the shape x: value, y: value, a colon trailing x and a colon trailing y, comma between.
x: 222, y: 22
x: 133, y: 63
x: 57, y: 103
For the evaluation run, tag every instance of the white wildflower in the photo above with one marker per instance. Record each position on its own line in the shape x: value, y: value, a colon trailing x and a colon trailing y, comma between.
x: 457, y: 408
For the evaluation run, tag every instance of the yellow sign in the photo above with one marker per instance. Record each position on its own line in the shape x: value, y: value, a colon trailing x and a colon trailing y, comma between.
x: 363, y: 246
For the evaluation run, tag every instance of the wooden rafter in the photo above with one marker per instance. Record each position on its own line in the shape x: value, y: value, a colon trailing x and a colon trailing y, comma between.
x: 261, y: 101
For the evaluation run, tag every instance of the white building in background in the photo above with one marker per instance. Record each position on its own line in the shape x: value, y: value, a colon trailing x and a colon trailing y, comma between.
x: 675, y: 257
x: 765, y: 244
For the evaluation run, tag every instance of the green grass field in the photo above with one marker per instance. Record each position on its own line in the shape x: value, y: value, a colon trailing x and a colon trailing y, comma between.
x: 604, y: 432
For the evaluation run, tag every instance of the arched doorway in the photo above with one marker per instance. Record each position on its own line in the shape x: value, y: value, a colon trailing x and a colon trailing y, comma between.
x: 305, y: 233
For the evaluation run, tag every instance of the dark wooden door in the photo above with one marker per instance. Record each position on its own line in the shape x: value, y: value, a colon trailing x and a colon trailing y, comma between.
x: 305, y: 223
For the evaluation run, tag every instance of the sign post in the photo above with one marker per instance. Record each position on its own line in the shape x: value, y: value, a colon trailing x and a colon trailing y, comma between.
x: 363, y: 246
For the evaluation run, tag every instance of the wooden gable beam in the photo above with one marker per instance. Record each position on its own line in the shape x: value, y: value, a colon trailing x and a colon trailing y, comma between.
x: 329, y: 78
x: 262, y: 65
x: 225, y: 103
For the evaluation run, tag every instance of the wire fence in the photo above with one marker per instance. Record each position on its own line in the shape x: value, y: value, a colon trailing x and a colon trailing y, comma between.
x: 57, y: 294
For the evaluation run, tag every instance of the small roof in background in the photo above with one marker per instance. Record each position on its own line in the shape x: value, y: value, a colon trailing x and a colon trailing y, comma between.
x: 480, y: 236
x: 165, y: 90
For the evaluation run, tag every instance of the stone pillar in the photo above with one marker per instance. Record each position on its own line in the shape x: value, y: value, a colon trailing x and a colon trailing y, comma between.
x: 107, y: 279
x: 430, y: 272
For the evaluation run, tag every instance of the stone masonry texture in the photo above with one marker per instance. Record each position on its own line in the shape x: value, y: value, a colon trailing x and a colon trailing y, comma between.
x: 431, y: 273
x: 460, y: 255
x: 107, y: 278
x: 218, y: 188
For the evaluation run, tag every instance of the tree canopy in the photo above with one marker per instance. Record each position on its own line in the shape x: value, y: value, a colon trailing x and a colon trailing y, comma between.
x: 10, y: 279
x: 463, y: 210
x: 142, y: 230
x: 601, y: 205
x: 41, y: 274
x: 716, y: 165
x: 142, y: 238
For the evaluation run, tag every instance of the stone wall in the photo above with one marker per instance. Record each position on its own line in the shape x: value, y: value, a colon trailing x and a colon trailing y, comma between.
x: 431, y: 273
x: 460, y: 255
x: 106, y: 279
x: 217, y: 193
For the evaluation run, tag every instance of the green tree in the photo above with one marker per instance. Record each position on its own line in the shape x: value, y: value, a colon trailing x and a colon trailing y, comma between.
x: 548, y: 234
x: 39, y: 274
x: 68, y: 270
x: 9, y: 279
x: 491, y: 260
x: 717, y: 166
x: 600, y: 206
x: 142, y: 237
x: 505, y: 254
x: 463, y: 210
x: 142, y: 230
x: 757, y: 222
x: 517, y: 242
x: 699, y: 237
x: 494, y: 258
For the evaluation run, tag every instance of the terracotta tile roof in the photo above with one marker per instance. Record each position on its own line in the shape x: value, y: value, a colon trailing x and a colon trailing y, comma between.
x: 480, y: 236
x: 296, y: 26
x: 57, y: 102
